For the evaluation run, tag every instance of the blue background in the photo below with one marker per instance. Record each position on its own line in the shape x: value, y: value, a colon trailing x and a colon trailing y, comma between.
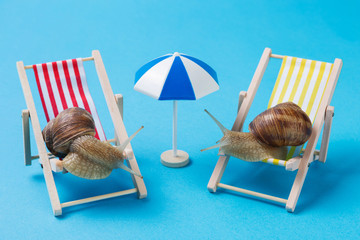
x: 228, y: 35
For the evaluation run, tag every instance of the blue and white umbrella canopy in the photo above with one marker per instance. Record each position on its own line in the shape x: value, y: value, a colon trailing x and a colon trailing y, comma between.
x: 176, y: 77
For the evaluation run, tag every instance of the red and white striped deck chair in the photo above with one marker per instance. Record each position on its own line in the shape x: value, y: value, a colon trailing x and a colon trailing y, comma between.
x: 310, y: 84
x: 62, y: 85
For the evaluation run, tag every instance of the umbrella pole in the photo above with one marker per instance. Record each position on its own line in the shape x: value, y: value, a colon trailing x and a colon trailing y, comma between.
x: 174, y: 157
x: 174, y: 128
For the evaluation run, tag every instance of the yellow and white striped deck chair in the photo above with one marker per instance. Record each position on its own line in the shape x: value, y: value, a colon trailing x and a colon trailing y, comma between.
x: 303, y: 82
x: 310, y: 84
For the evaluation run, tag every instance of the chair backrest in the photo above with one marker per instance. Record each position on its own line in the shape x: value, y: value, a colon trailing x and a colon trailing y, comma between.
x: 303, y: 82
x: 62, y: 85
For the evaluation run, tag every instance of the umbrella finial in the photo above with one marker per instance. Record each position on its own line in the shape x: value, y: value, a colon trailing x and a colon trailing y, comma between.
x: 176, y: 54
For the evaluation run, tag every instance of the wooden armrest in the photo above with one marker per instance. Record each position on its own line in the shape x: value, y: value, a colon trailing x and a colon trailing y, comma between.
x: 242, y: 96
x: 25, y: 115
x: 119, y: 99
x: 329, y: 114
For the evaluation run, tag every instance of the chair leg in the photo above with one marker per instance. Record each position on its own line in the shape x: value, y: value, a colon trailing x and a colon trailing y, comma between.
x: 329, y: 114
x: 25, y: 114
x: 298, y: 183
x: 119, y: 99
x: 142, y: 192
x: 223, y: 160
x: 51, y: 187
x: 217, y: 173
x: 49, y: 179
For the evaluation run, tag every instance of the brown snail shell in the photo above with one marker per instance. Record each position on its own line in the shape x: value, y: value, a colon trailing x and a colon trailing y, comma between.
x: 285, y: 124
x: 68, y: 125
x: 47, y: 135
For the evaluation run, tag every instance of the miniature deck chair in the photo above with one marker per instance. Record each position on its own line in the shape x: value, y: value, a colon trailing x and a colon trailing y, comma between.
x: 310, y: 84
x: 61, y: 85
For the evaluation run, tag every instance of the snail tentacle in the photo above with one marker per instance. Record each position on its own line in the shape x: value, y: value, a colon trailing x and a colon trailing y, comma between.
x: 223, y: 129
x: 212, y: 147
x: 123, y: 166
x: 127, y: 141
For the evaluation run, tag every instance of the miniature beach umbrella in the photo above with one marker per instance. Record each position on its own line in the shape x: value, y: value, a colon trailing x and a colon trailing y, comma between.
x: 176, y: 77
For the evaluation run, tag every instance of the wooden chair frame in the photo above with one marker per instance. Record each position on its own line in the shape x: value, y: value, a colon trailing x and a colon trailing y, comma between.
x: 324, y: 114
x: 115, y: 106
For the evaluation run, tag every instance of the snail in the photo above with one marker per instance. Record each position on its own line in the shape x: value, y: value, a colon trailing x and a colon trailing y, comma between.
x: 285, y: 124
x: 71, y: 136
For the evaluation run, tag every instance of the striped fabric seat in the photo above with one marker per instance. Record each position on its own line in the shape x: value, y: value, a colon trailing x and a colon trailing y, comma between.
x: 63, y: 85
x: 303, y: 82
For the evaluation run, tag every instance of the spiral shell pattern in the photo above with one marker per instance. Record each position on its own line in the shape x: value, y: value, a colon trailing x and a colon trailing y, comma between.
x: 285, y: 124
x: 68, y: 125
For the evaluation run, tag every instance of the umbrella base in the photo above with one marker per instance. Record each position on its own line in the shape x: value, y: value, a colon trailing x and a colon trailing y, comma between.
x: 168, y: 159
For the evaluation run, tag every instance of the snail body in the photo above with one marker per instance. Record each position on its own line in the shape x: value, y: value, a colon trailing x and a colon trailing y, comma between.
x: 71, y: 136
x: 246, y: 146
x: 270, y: 133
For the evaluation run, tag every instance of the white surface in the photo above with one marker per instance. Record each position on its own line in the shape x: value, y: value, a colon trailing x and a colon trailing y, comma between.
x: 152, y: 82
x: 168, y: 159
x: 201, y: 81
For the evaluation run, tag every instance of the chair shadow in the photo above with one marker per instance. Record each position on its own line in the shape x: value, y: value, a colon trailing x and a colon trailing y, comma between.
x: 125, y: 205
x: 324, y: 179
x: 276, y: 181
x: 70, y: 188
x: 250, y: 198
